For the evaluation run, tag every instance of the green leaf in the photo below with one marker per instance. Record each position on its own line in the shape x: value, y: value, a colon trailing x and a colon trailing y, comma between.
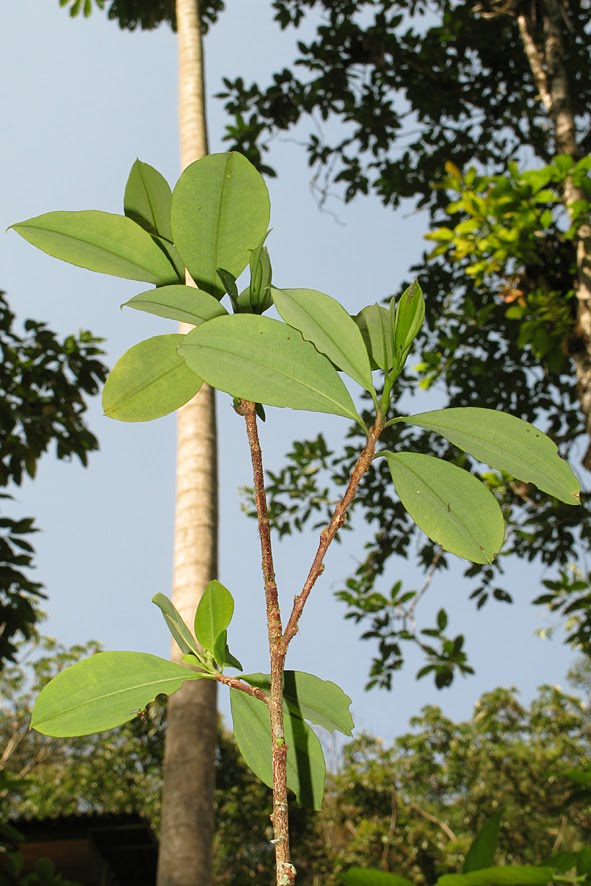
x: 407, y: 320
x: 506, y: 443
x: 306, y: 769
x: 177, y: 627
x: 148, y: 199
x: 266, y: 361
x: 375, y: 327
x: 320, y: 701
x: 100, y: 241
x: 149, y: 380
x: 259, y: 296
x: 509, y: 875
x: 222, y: 653
x: 371, y: 877
x: 183, y: 303
x: 220, y: 213
x: 481, y: 853
x: 325, y: 323
x: 214, y: 613
x: 173, y: 256
x: 104, y: 691
x: 450, y: 505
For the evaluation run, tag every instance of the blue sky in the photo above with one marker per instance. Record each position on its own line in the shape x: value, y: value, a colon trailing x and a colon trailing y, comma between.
x: 81, y: 100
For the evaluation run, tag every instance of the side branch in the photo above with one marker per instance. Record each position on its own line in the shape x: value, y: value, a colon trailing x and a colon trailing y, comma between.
x: 362, y: 465
x: 237, y: 683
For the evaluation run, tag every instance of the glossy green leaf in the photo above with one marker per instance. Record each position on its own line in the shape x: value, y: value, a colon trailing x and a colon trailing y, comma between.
x: 325, y: 323
x: 100, y: 241
x: 371, y: 877
x: 214, y: 613
x: 407, y: 319
x: 306, y: 769
x: 177, y: 627
x: 183, y: 303
x: 148, y: 199
x: 319, y: 701
x: 220, y: 213
x: 450, y: 505
x: 506, y: 443
x: 509, y: 875
x: 104, y: 691
x: 222, y: 654
x: 375, y: 326
x: 266, y: 361
x: 481, y: 853
x: 149, y: 380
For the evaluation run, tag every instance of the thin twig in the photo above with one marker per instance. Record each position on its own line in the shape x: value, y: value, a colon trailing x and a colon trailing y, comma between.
x: 362, y: 465
x: 441, y: 824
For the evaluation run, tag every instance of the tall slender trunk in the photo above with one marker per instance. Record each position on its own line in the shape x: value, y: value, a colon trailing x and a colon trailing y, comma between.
x: 187, y: 830
x: 546, y: 60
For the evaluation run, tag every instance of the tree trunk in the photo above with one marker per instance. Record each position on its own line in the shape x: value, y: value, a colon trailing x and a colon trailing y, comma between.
x: 547, y: 64
x: 186, y: 841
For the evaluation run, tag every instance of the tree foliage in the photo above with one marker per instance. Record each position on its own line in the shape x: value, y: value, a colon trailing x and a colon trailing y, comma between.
x: 44, y: 381
x: 145, y: 14
x: 412, y: 807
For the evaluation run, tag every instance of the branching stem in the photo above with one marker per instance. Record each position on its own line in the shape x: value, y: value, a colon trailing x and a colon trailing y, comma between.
x: 279, y: 639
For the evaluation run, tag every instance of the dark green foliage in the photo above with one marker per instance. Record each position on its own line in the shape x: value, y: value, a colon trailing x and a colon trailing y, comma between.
x: 43, y: 385
x: 145, y: 14
x: 415, y: 82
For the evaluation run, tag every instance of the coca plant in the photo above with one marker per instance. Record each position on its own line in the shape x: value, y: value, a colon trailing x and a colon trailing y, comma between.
x: 208, y: 231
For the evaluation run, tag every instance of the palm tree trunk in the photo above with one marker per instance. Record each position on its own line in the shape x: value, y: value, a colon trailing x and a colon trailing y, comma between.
x: 546, y: 60
x: 187, y: 829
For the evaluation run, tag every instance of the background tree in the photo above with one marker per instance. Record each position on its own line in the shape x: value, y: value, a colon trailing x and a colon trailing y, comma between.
x: 397, y: 91
x: 44, y: 382
x: 413, y: 807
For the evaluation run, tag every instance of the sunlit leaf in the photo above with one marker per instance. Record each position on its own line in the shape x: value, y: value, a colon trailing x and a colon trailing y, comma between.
x: 100, y: 241
x: 177, y: 627
x: 183, y: 303
x: 450, y: 505
x: 104, y: 691
x: 214, y: 613
x: 375, y: 326
x: 149, y: 380
x: 407, y: 321
x: 325, y: 323
x: 506, y: 443
x: 266, y: 361
x: 148, y: 199
x: 220, y: 213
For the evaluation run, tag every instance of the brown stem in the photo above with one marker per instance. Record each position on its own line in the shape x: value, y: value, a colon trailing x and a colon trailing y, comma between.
x: 285, y: 871
x: 237, y: 683
x: 362, y: 465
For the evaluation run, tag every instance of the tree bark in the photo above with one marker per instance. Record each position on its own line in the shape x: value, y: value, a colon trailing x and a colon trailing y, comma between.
x: 186, y: 842
x: 546, y: 60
